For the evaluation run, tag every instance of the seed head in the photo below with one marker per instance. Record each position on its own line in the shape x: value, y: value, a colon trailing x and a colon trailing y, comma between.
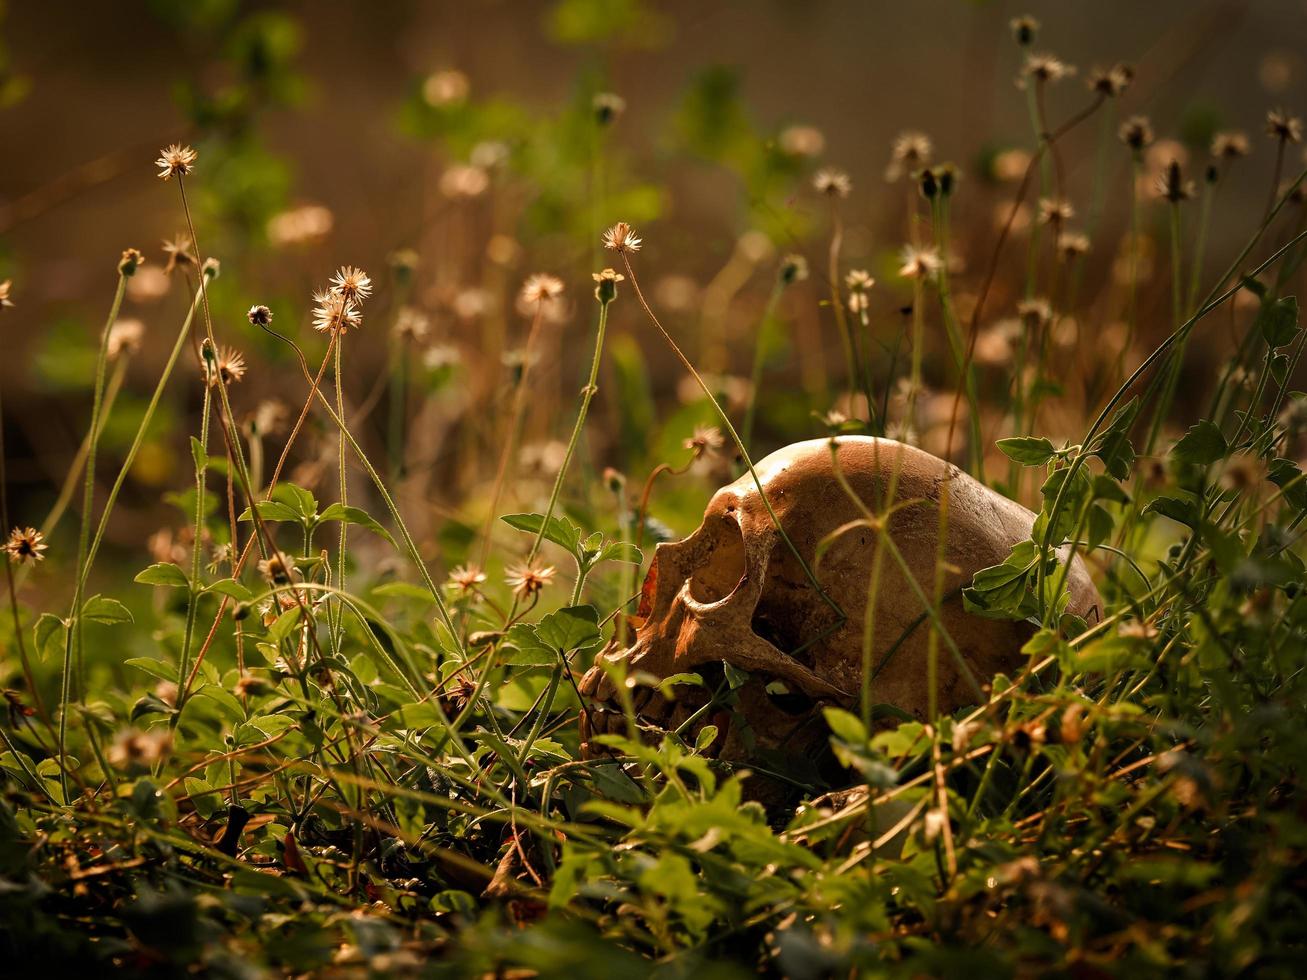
x: 529, y: 580
x: 227, y: 366
x: 466, y: 578
x: 175, y: 161
x: 1172, y: 185
x: 608, y: 106
x: 1035, y: 312
x: 1044, y: 69
x: 541, y: 288
x: 124, y: 338
x: 1024, y: 30
x: 25, y: 544
x: 705, y: 441
x: 794, y: 268
x: 832, y: 182
x: 859, y: 280
x: 1136, y: 133
x: 131, y: 261
x: 920, y: 263
x: 1055, y: 211
x: 352, y: 283
x: 1284, y: 127
x: 606, y: 284
x: 178, y: 250
x: 1230, y: 145
x: 412, y: 324
x: 621, y: 237
x: 259, y: 316
x: 1072, y: 244
x: 1111, y: 82
x: 909, y: 151
x: 334, y: 313
x: 275, y: 570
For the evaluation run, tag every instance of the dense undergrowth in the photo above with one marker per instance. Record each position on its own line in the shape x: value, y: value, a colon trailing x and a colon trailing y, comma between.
x: 330, y: 729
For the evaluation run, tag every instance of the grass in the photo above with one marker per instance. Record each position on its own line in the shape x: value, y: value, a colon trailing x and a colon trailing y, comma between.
x: 335, y: 727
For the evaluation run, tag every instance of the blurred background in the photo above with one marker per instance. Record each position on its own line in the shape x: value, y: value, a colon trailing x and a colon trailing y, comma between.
x: 465, y: 141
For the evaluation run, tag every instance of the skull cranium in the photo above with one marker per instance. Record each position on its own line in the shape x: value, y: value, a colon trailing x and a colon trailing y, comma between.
x: 734, y: 593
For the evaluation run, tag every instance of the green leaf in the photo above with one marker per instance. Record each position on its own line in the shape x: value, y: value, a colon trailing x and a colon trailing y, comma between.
x: 1278, y: 321
x: 404, y: 590
x: 354, y: 515
x: 560, y: 530
x: 1027, y: 450
x: 560, y: 632
x: 198, y: 454
x: 623, y: 551
x: 299, y: 500
x: 707, y: 735
x: 154, y: 667
x: 1202, y: 445
x: 272, y: 510
x: 47, y: 634
x: 101, y: 609
x: 230, y: 587
x: 1179, y: 509
x: 164, y: 573
x: 847, y: 726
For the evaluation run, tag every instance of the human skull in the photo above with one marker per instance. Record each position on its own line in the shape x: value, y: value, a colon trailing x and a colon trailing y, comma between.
x: 734, y: 593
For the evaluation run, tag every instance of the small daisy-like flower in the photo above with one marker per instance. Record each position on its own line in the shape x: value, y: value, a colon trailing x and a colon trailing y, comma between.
x: 352, y: 283
x: 131, y: 260
x: 124, y: 338
x: 621, y: 237
x: 259, y: 316
x: 541, y: 288
x: 706, y: 440
x: 412, y: 324
x: 832, y: 182
x: 1045, y: 69
x: 220, y: 557
x: 794, y: 268
x: 608, y: 106
x: 834, y: 419
x: 606, y: 284
x: 920, y: 263
x: 1230, y: 145
x: 1172, y: 185
x: 859, y: 280
x: 529, y: 580
x: 1072, y: 244
x: 334, y: 313
x: 228, y: 366
x: 175, y: 161
x: 466, y: 578
x: 178, y: 250
x: 1055, y: 212
x: 26, y: 544
x: 1111, y: 81
x: 1136, y: 133
x: 909, y: 151
x: 1024, y: 29
x: 5, y: 288
x: 1283, y: 126
x: 1035, y: 311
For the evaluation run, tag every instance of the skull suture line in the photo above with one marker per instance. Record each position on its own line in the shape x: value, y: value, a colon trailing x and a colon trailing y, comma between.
x: 733, y: 593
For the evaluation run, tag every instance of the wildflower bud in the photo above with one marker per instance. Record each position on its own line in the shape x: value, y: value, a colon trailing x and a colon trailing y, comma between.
x: 130, y: 262
x: 1212, y: 174
x: 1024, y: 30
x: 608, y: 107
x: 241, y: 612
x: 403, y: 262
x: 209, y: 354
x: 606, y: 291
x: 260, y: 316
x: 615, y: 480
x: 794, y: 268
x: 928, y: 184
x: 211, y: 268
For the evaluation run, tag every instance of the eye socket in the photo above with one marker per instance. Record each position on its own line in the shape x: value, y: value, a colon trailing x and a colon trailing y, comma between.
x: 719, y: 576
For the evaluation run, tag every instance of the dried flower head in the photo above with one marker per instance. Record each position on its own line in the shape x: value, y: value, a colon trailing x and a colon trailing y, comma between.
x: 832, y: 182
x: 352, y: 283
x: 5, y: 287
x: 1111, y: 82
x: 466, y: 578
x: 621, y: 237
x: 26, y: 544
x: 706, y: 440
x: 608, y: 107
x: 1044, y: 69
x: 1283, y: 126
x: 1172, y: 185
x: 1055, y: 211
x: 333, y: 313
x: 175, y: 161
x: 920, y: 263
x: 1230, y: 145
x: 909, y: 151
x: 859, y: 280
x: 606, y: 284
x: 124, y: 338
x: 1024, y: 30
x: 227, y: 366
x: 275, y: 570
x: 794, y: 268
x: 178, y: 250
x: 131, y: 260
x: 541, y: 288
x: 528, y: 581
x: 1136, y: 133
x: 1072, y: 244
x: 412, y: 324
x: 1035, y: 311
x: 259, y: 316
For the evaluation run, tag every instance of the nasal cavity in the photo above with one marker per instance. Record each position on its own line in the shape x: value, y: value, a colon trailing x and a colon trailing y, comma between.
x: 719, y: 575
